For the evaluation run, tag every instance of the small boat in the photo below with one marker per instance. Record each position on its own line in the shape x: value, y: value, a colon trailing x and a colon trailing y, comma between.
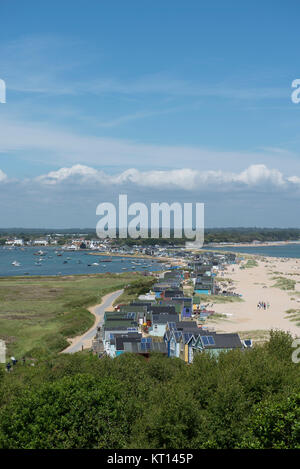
x: 39, y: 253
x: 65, y: 262
x: 95, y: 263
x: 16, y: 263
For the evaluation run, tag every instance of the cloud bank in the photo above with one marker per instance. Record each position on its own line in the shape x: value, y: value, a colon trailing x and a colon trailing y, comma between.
x: 68, y: 196
x: 257, y: 176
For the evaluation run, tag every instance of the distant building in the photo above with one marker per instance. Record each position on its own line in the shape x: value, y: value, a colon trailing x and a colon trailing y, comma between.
x: 40, y: 242
x: 14, y: 242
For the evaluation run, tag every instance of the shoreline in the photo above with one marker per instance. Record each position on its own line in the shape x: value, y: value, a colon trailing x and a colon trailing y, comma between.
x: 255, y: 245
x: 162, y: 260
x: 274, y: 281
x: 133, y: 256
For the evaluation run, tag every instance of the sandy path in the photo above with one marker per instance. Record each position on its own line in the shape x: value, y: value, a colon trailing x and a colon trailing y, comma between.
x: 85, y: 341
x: 255, y: 284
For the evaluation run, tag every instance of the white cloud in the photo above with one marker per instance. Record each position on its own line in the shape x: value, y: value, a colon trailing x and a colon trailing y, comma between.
x: 69, y: 196
x: 259, y: 174
x: 187, y: 179
x: 3, y: 176
x: 83, y: 173
x: 294, y: 179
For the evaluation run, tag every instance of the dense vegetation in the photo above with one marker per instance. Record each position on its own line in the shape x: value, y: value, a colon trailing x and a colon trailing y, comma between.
x: 247, y: 235
x: 224, y: 235
x: 245, y: 399
x: 42, y: 312
x: 135, y: 288
x: 212, y: 235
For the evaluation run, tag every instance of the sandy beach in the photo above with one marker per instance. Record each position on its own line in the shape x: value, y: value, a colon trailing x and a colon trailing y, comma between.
x: 255, y: 244
x: 257, y: 284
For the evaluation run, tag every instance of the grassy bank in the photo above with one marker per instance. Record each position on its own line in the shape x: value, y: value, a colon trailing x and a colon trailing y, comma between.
x: 134, y: 289
x: 197, y: 299
x: 284, y: 283
x: 43, y: 312
x: 294, y: 315
x: 249, y: 264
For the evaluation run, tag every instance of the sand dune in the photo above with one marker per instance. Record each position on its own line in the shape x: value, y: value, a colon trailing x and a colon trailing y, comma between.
x: 256, y: 284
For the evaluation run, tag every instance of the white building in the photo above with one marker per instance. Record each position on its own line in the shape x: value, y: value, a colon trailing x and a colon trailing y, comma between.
x: 15, y: 242
x: 40, y: 242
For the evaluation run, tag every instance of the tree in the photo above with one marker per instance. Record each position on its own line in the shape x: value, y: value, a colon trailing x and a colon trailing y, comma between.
x: 73, y: 412
x: 275, y: 425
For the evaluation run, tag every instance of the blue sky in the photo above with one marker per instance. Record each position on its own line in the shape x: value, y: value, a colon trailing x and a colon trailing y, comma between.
x: 165, y: 101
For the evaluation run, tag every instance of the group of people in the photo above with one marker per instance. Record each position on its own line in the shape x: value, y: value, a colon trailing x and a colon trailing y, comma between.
x: 13, y: 363
x: 263, y: 305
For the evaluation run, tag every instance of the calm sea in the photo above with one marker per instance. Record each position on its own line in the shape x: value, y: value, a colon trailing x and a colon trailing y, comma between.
x: 288, y: 250
x: 69, y: 263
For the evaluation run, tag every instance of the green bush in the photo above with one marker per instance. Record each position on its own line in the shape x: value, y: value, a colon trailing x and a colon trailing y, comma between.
x: 275, y: 425
x: 242, y: 399
x: 77, y: 412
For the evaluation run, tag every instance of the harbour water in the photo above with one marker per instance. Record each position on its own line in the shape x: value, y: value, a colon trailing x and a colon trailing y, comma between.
x: 284, y: 250
x: 26, y: 261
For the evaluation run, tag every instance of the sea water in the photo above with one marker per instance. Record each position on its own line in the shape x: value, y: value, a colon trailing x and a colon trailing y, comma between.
x: 69, y: 263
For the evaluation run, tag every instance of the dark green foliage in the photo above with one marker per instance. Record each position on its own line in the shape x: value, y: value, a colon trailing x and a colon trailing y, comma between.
x: 240, y: 400
x: 233, y: 235
x: 140, y: 287
x: 76, y: 412
x: 247, y: 235
x: 275, y: 425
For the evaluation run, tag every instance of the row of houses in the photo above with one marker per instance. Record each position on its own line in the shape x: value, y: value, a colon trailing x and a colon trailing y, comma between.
x: 185, y: 339
x: 163, y: 322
